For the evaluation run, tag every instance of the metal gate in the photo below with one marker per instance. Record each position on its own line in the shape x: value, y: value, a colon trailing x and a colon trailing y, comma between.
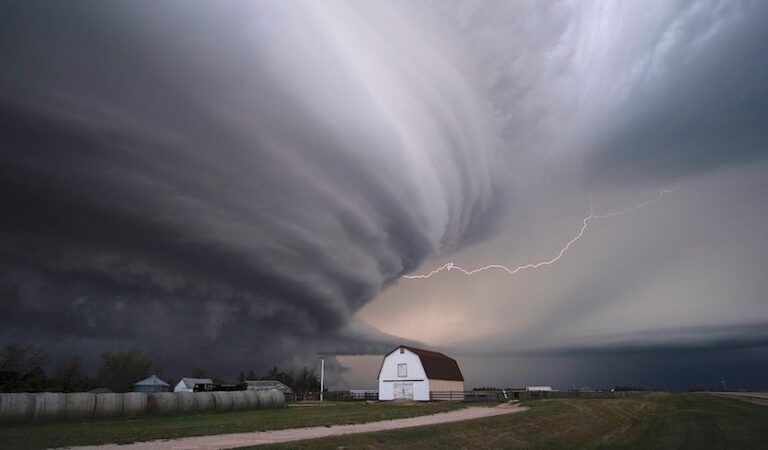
x: 403, y: 391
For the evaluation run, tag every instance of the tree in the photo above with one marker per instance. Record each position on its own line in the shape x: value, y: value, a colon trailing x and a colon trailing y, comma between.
x: 21, y: 368
x: 22, y: 357
x: 284, y: 377
x: 198, y: 372
x: 306, y: 381
x: 71, y: 377
x: 120, y: 370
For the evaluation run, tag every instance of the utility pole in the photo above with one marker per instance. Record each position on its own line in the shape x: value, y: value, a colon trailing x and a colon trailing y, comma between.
x: 322, y: 373
x: 322, y: 377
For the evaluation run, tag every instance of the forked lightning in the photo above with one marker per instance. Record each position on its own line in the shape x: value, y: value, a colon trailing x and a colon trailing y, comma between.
x: 511, y: 271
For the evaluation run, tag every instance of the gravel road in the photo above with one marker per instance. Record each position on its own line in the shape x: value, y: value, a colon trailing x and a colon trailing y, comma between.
x: 225, y: 441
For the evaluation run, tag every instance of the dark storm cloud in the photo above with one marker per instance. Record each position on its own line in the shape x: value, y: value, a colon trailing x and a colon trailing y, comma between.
x: 700, y: 102
x: 603, y: 104
x: 675, y: 358
x: 229, y: 182
x: 218, y: 181
x: 641, y: 91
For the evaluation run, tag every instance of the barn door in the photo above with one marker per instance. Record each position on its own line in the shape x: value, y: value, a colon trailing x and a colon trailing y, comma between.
x: 403, y: 391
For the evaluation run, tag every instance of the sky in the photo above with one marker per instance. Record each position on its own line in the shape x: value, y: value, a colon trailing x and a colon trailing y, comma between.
x: 236, y: 185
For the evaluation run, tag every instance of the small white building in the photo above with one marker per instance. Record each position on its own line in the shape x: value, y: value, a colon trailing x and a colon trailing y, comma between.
x: 539, y: 389
x: 187, y: 384
x: 409, y: 373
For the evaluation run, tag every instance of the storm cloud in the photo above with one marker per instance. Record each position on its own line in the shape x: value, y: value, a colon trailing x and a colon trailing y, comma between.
x: 603, y: 104
x: 220, y: 182
x: 197, y: 176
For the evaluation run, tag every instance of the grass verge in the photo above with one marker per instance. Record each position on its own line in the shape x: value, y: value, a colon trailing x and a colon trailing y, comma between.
x: 122, y: 431
x: 658, y: 421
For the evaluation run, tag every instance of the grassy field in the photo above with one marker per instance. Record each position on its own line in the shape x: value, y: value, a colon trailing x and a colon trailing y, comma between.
x: 695, y: 421
x: 133, y: 430
x: 658, y: 421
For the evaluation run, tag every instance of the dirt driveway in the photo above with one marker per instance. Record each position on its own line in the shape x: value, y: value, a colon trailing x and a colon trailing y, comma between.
x: 295, y: 434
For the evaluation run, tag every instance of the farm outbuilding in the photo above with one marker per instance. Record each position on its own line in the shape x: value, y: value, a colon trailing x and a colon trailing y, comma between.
x: 150, y: 385
x: 409, y: 373
x: 187, y: 384
x: 268, y: 385
x: 539, y: 389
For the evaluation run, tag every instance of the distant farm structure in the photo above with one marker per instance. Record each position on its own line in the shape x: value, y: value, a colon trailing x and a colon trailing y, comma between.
x: 268, y: 385
x: 150, y: 385
x: 187, y: 384
x: 539, y: 389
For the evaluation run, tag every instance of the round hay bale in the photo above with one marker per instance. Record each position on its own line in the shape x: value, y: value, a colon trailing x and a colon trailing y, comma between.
x: 239, y: 400
x: 185, y: 402
x: 161, y: 403
x: 79, y: 405
x: 134, y: 404
x: 204, y: 401
x: 223, y: 400
x: 252, y: 399
x: 17, y: 407
x: 278, y: 398
x: 49, y: 406
x: 265, y: 400
x: 108, y: 404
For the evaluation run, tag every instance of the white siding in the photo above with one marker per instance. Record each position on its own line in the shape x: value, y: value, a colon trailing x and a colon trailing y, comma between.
x: 416, y: 375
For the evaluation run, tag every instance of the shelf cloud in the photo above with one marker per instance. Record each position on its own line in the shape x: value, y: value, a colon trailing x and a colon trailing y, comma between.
x: 197, y: 176
x: 216, y: 182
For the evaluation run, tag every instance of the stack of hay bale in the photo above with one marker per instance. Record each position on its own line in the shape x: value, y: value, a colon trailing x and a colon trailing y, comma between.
x: 50, y: 406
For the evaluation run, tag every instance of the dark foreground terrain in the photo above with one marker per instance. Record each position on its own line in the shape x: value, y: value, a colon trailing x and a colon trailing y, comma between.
x: 654, y: 421
x: 658, y: 421
x: 123, y: 431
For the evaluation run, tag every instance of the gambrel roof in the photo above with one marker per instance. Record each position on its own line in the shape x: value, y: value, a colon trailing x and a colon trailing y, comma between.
x: 437, y: 366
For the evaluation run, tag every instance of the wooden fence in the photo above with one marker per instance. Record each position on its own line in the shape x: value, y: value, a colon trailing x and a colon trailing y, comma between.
x: 336, y: 396
x: 490, y: 395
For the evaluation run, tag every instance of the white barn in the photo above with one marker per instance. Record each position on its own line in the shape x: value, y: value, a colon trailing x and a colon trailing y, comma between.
x: 409, y: 373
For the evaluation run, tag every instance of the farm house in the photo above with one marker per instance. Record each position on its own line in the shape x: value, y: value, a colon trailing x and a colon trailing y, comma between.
x: 409, y: 373
x: 187, y: 384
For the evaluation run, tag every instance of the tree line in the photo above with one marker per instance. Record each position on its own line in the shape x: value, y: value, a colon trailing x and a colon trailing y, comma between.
x: 22, y: 369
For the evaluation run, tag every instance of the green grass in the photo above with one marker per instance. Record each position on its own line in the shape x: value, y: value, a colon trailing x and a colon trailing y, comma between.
x: 657, y: 421
x: 123, y: 431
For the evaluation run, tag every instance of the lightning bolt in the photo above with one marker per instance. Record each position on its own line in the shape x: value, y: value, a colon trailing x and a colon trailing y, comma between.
x: 584, y: 225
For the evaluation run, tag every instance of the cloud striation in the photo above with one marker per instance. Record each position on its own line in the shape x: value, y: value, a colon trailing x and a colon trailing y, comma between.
x: 211, y: 181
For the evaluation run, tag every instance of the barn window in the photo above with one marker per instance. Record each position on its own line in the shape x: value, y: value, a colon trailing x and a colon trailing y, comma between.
x: 402, y: 370
x: 402, y: 350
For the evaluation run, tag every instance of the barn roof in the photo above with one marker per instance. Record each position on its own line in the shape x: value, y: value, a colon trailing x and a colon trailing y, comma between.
x: 265, y: 385
x: 190, y: 382
x: 437, y: 366
x: 151, y: 381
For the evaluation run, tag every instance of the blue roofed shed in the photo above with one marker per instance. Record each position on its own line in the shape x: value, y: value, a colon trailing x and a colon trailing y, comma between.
x: 151, y: 384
